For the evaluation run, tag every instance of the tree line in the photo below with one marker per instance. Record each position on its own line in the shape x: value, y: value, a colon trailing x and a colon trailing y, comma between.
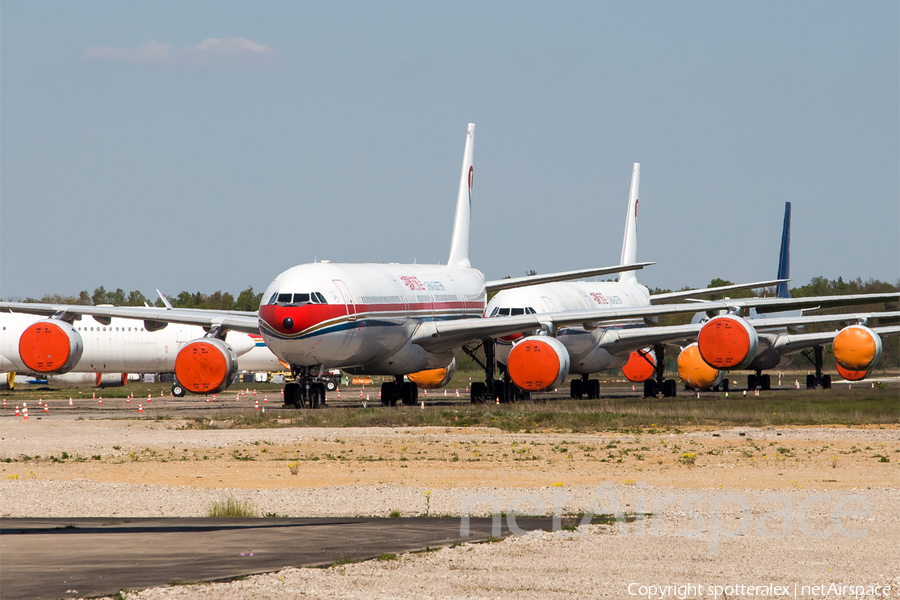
x: 247, y: 300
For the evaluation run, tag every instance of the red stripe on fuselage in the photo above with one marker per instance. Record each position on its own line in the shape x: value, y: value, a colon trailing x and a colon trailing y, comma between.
x: 309, y: 315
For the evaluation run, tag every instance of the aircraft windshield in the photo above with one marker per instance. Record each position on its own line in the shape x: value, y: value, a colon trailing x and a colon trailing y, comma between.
x: 297, y: 299
x: 507, y: 312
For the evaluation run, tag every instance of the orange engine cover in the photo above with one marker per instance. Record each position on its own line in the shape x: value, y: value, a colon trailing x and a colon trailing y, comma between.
x: 640, y: 366
x: 206, y: 366
x: 694, y: 371
x: 433, y: 378
x: 857, y: 348
x: 851, y: 375
x: 727, y: 342
x: 50, y: 346
x: 538, y: 363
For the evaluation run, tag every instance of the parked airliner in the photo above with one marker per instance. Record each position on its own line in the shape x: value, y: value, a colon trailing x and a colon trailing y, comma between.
x: 542, y: 362
x: 380, y: 319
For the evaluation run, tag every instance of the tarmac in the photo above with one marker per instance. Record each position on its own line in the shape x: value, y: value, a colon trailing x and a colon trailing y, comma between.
x: 85, y: 557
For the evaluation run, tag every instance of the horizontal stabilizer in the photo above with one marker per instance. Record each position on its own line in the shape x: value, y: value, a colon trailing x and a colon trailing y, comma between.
x: 689, y: 294
x: 515, y: 282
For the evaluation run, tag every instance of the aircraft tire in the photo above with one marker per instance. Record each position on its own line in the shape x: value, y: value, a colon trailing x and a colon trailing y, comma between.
x: 670, y: 388
x: 331, y: 385
x: 387, y: 393
x: 576, y: 389
x: 317, y: 395
x: 724, y: 384
x: 650, y: 389
x: 810, y: 382
x: 477, y: 393
x: 499, y: 391
x: 177, y: 390
x: 766, y: 382
x: 751, y: 383
x: 826, y: 382
x: 593, y: 389
x: 292, y: 395
x: 409, y: 393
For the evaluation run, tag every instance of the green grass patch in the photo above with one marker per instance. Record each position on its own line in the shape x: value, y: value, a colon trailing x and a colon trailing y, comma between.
x: 232, y: 507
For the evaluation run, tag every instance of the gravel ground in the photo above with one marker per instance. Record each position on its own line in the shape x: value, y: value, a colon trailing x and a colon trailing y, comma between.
x: 702, y: 530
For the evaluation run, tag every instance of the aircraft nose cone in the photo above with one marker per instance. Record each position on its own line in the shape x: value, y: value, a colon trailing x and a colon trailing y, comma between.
x: 288, y: 323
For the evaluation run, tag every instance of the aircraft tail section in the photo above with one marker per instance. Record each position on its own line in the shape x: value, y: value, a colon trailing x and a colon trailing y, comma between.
x: 459, y: 245
x: 629, y: 242
x: 784, y: 257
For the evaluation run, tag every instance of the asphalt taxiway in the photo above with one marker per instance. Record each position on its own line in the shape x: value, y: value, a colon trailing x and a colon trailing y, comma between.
x: 67, y: 558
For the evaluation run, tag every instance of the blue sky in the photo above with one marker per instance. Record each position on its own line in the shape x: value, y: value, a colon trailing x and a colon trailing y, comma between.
x: 208, y: 146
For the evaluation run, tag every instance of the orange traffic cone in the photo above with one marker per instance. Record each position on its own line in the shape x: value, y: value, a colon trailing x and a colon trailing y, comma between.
x: 426, y: 393
x: 140, y: 407
x: 70, y: 402
x: 215, y: 397
x: 256, y: 406
x: 4, y: 400
x: 40, y: 401
x: 100, y: 401
x: 17, y: 411
x: 423, y: 405
x: 266, y: 399
x: 46, y: 407
x: 25, y: 411
x: 207, y: 399
x: 457, y: 392
x: 498, y: 399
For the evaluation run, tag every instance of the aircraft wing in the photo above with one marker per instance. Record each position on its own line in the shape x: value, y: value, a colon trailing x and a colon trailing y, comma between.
x: 793, y: 343
x: 440, y: 336
x: 507, y: 284
x: 155, y: 318
x: 625, y: 341
x: 690, y: 294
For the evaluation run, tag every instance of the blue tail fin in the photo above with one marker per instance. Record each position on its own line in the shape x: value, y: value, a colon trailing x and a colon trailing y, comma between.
x: 784, y: 257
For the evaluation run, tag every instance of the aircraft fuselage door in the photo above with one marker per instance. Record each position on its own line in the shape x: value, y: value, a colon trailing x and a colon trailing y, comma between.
x: 348, y: 299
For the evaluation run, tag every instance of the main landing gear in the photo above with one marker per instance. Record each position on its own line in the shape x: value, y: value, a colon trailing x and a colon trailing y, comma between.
x: 305, y: 392
x: 759, y: 381
x: 818, y: 361
x: 585, y: 387
x: 491, y: 390
x: 658, y: 384
x: 407, y: 392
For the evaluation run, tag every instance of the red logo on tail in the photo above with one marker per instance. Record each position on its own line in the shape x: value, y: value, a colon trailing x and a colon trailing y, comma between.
x: 471, y: 175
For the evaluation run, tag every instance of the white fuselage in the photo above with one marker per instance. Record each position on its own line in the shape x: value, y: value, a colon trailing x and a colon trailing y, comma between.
x: 360, y: 317
x: 582, y: 345
x: 123, y: 346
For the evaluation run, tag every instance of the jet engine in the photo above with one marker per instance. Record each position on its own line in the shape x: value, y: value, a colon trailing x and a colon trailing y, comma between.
x: 433, y: 378
x: 851, y: 375
x: 694, y: 371
x: 727, y: 342
x: 50, y: 346
x: 857, y: 348
x: 538, y: 363
x: 206, y: 366
x: 641, y: 365
x: 95, y: 380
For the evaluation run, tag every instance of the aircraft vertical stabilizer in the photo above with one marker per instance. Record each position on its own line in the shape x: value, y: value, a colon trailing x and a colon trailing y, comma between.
x: 629, y: 242
x: 784, y: 257
x: 459, y: 245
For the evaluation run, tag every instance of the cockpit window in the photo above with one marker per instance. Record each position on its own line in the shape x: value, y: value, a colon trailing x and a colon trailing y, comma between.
x: 506, y: 312
x: 297, y: 299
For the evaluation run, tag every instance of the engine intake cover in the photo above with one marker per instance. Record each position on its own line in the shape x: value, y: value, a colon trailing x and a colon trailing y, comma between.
x: 694, y: 371
x: 641, y: 365
x: 50, y: 346
x: 857, y: 348
x: 538, y: 363
x: 206, y: 366
x: 433, y: 378
x: 851, y: 375
x: 727, y: 342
